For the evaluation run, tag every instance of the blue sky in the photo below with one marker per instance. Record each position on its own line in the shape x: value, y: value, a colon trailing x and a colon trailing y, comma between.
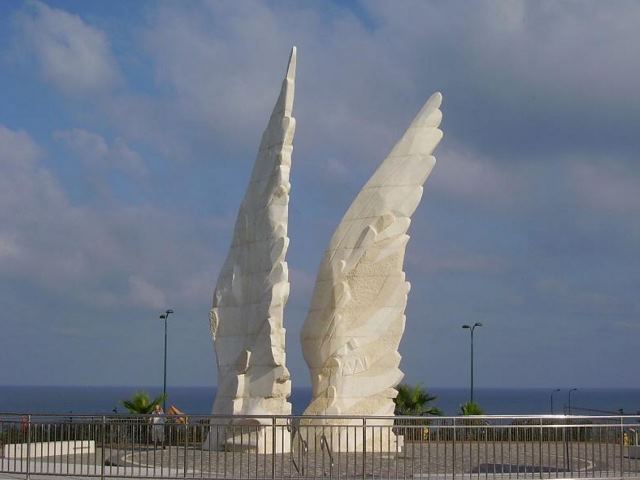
x: 128, y: 131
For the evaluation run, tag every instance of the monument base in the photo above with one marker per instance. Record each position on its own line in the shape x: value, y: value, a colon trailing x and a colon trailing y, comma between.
x: 348, y: 436
x: 250, y: 435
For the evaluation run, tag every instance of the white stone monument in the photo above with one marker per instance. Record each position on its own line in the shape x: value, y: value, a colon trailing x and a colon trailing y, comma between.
x: 356, y: 319
x: 247, y: 314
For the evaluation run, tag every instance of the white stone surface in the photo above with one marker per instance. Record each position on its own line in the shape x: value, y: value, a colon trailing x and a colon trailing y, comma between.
x: 48, y: 449
x: 351, y: 335
x: 247, y: 314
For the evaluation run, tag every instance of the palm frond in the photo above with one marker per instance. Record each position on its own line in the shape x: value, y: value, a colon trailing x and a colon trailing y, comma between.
x: 140, y: 403
x: 470, y: 408
x: 414, y: 400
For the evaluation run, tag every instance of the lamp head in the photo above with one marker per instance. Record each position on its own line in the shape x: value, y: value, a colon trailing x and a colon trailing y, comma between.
x: 169, y: 311
x: 163, y: 316
x: 466, y: 326
x: 477, y: 324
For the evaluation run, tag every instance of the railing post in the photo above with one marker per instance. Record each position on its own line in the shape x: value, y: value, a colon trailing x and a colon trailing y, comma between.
x: 567, y: 453
x: 186, y: 446
x: 540, y: 446
x: 621, y: 446
x: 453, y: 447
x: 28, y: 447
x: 104, y: 441
x: 273, y: 447
x: 364, y: 447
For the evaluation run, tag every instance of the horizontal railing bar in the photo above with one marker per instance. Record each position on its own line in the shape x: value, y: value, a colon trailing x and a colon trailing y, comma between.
x: 342, y: 417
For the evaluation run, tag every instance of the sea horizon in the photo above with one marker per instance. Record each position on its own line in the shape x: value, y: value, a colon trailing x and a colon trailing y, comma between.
x: 197, y: 400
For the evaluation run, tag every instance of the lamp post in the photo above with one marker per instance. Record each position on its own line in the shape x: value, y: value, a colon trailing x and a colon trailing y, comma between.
x: 552, y: 392
x: 570, y: 391
x: 164, y: 317
x: 471, y: 329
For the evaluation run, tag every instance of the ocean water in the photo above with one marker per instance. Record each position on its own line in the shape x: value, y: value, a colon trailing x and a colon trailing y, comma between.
x: 198, y: 400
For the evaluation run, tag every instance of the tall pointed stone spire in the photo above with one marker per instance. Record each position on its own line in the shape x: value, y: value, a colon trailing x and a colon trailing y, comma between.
x: 246, y: 317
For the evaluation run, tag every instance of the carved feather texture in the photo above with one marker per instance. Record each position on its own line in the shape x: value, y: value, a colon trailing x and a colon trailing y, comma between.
x: 246, y: 317
x: 351, y: 335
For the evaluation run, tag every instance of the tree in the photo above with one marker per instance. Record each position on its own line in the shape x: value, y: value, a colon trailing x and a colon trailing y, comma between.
x: 140, y: 403
x: 470, y: 408
x: 414, y: 401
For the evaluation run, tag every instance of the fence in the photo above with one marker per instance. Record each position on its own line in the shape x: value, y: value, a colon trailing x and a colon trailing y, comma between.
x: 320, y: 447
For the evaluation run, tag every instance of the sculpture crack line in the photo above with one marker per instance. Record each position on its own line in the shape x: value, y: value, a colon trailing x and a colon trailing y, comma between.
x: 351, y: 335
x: 246, y: 317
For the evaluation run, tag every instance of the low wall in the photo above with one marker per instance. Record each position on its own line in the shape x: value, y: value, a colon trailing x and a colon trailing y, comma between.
x: 48, y: 449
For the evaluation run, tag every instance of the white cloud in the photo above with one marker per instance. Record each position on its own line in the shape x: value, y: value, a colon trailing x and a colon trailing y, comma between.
x: 606, y: 186
x: 464, y: 174
x: 92, y: 149
x: 145, y: 294
x: 22, y: 178
x: 546, y: 55
x: 223, y: 64
x: 8, y: 248
x: 218, y: 66
x: 558, y: 291
x: 74, y: 56
x: 18, y: 148
x: 101, y: 257
x: 504, y: 63
x: 458, y: 262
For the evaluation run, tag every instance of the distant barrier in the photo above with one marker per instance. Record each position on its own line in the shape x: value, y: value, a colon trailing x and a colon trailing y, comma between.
x: 272, y: 447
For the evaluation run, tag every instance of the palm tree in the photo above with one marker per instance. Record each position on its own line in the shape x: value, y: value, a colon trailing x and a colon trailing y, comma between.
x: 470, y: 408
x: 140, y: 403
x: 414, y: 401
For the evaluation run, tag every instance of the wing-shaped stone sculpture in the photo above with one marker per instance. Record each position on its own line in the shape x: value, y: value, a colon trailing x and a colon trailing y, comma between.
x: 247, y: 313
x: 351, y: 335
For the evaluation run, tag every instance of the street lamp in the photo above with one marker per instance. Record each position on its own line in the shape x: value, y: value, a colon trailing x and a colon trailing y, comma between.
x: 164, y: 317
x: 572, y: 390
x: 552, y: 392
x: 471, y: 329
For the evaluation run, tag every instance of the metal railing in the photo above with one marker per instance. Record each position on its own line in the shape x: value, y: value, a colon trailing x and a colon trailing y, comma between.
x: 125, y: 446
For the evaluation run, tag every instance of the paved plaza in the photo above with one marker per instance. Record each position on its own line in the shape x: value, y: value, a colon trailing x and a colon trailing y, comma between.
x: 418, y: 460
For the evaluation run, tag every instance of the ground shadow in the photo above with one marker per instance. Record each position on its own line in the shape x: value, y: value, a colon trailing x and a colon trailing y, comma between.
x: 515, y: 468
